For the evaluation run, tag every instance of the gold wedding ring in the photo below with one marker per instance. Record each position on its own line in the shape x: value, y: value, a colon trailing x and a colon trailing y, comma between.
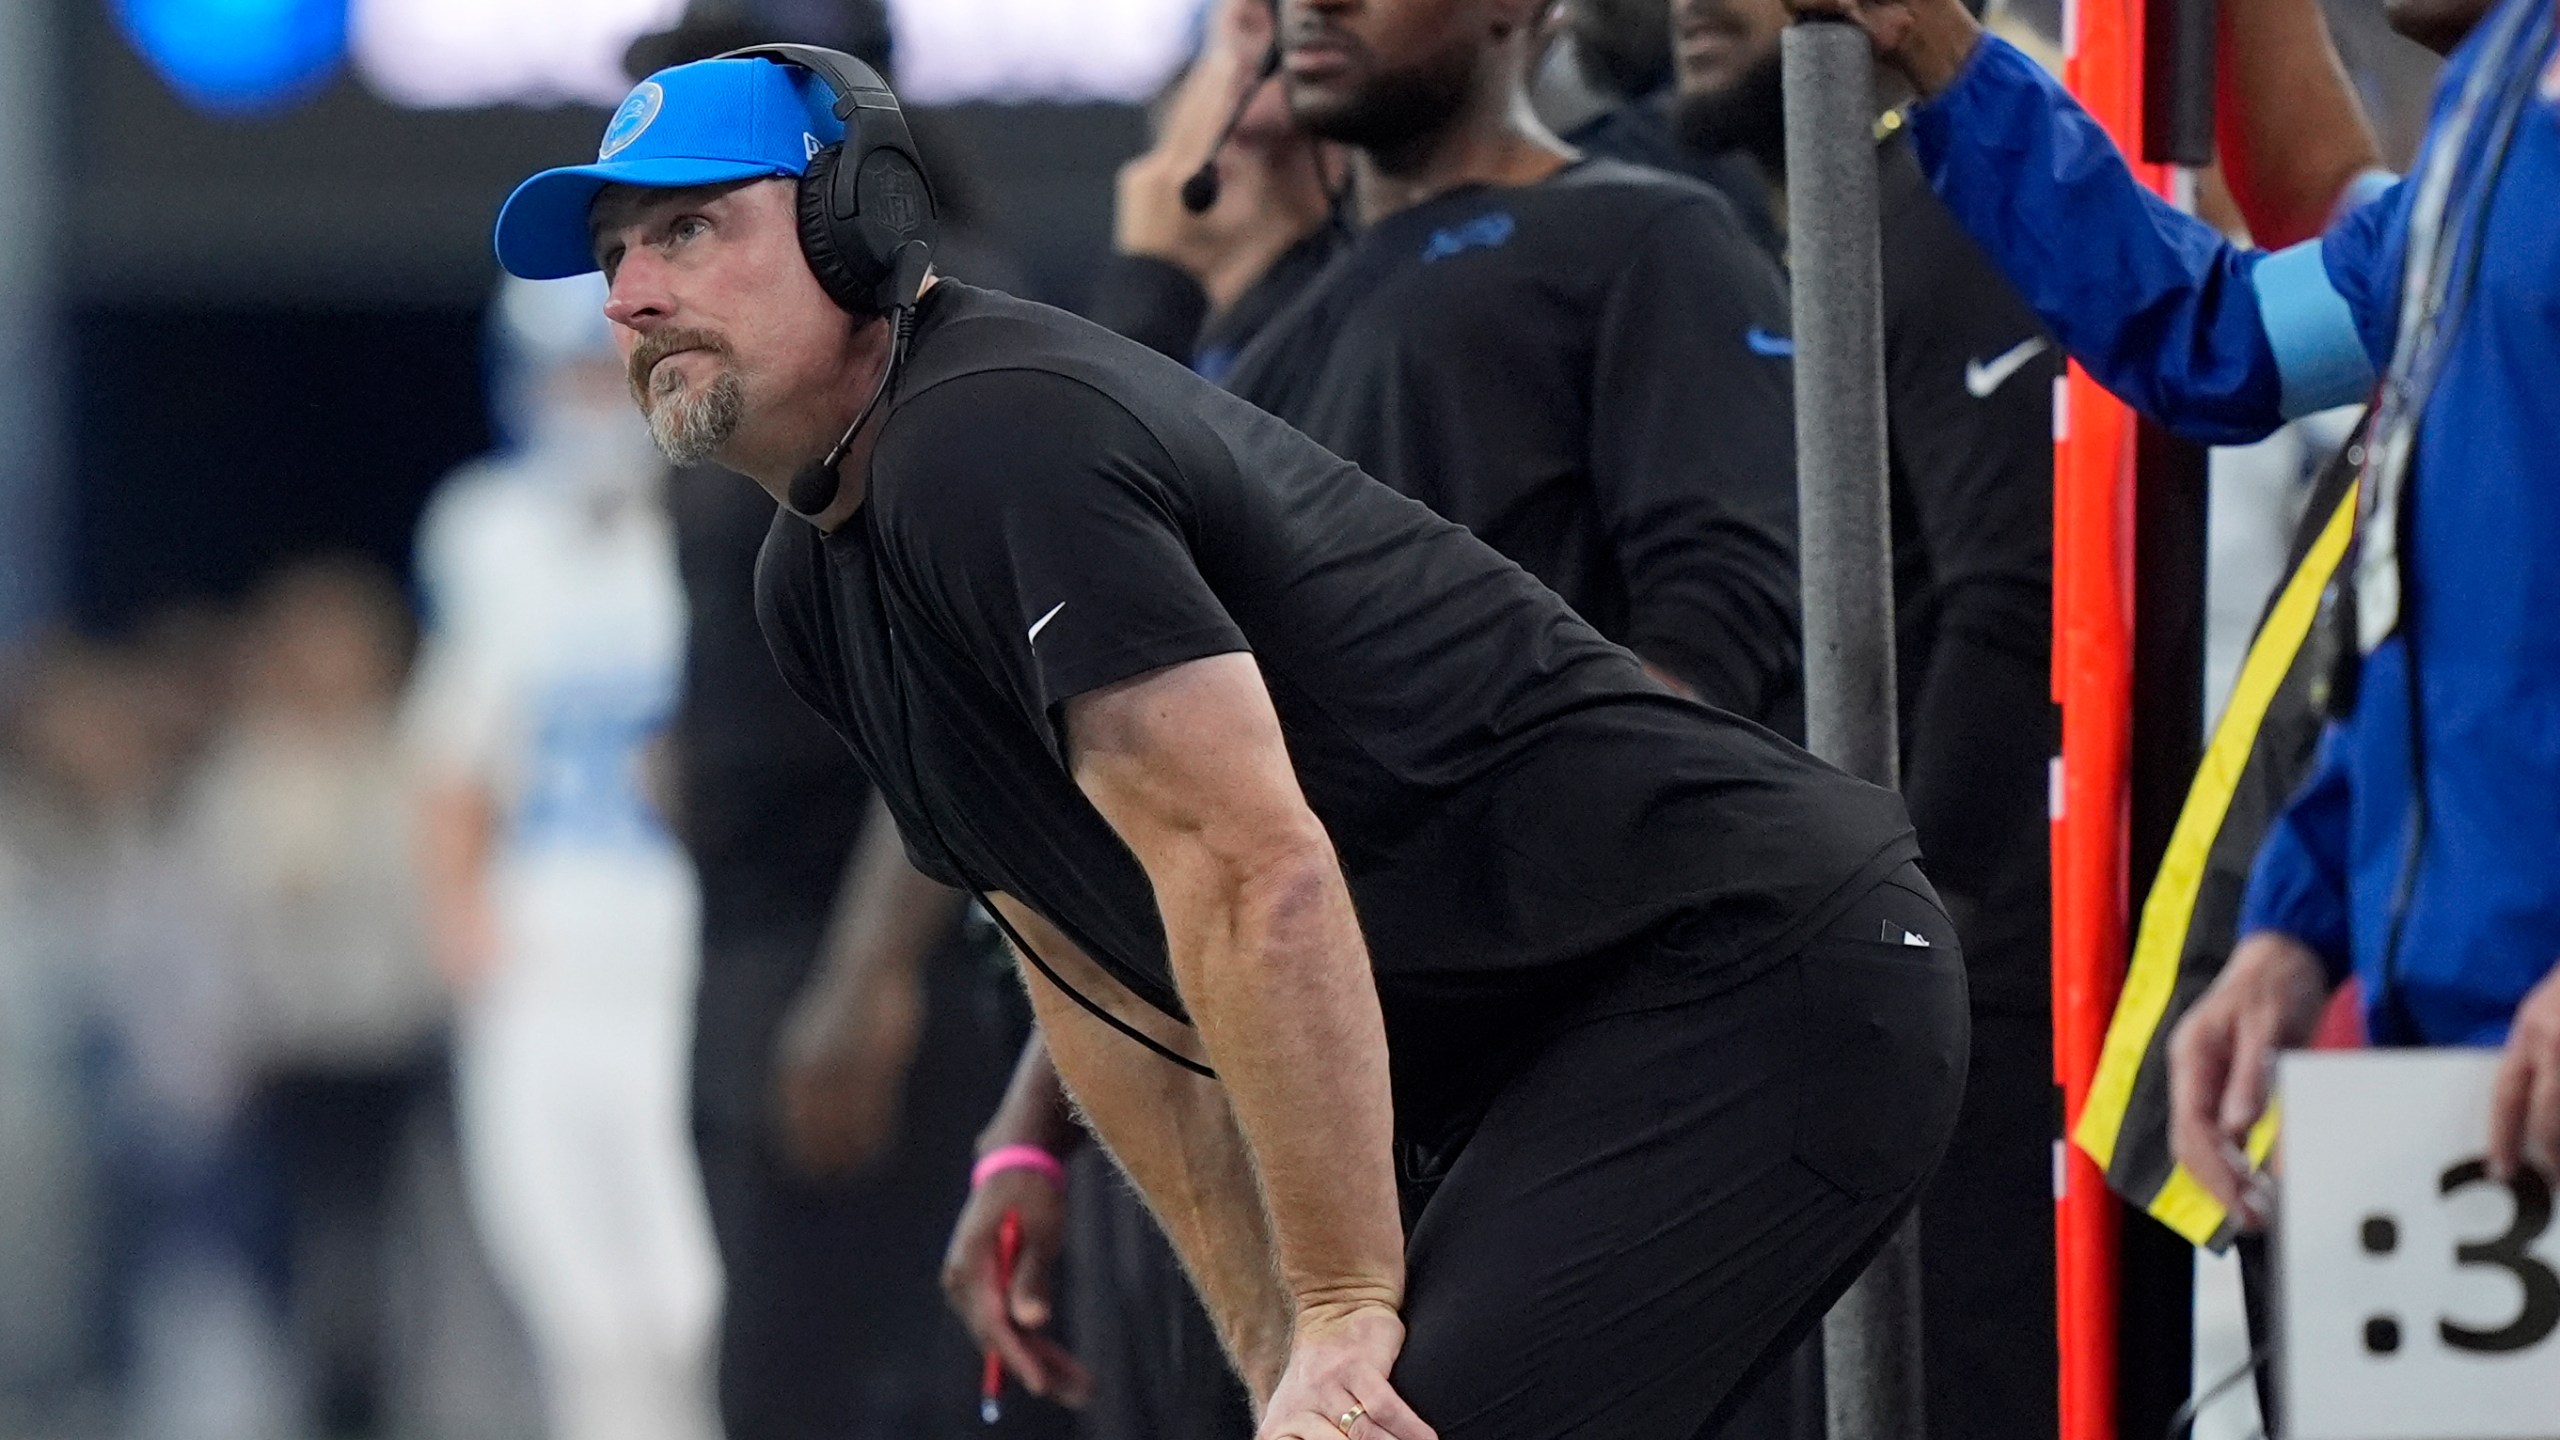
x: 1350, y: 1418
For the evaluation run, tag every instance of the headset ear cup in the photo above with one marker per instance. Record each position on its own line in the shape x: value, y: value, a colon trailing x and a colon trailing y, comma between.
x: 819, y: 235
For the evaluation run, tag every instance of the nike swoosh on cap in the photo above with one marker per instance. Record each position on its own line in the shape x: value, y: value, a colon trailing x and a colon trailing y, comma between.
x: 1981, y: 377
x: 1764, y: 342
x: 1043, y: 622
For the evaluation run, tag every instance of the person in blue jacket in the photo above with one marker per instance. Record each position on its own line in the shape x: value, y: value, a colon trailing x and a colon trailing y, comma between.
x: 2423, y: 854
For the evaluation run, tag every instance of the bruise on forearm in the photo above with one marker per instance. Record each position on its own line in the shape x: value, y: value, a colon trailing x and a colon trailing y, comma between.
x: 1272, y: 965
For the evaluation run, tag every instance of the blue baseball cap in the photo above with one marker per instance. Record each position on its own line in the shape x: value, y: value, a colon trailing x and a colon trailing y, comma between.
x: 706, y: 123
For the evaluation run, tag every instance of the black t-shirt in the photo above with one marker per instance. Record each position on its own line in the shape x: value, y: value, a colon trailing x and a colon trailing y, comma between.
x: 1052, y: 508
x: 1969, y: 375
x: 1161, y: 306
x: 1639, y: 133
x: 1591, y: 374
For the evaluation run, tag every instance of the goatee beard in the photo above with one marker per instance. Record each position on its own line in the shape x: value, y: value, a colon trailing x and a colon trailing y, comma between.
x: 1749, y: 115
x: 688, y: 429
x: 1397, y: 110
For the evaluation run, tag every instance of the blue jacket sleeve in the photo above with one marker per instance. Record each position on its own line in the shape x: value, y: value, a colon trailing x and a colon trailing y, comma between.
x: 2158, y: 306
x: 2361, y: 257
x: 2299, y: 883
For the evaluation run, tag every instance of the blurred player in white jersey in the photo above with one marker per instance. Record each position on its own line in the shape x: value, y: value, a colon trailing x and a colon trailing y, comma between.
x: 563, y: 910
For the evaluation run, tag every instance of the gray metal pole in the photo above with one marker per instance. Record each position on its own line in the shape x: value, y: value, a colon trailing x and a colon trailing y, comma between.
x: 1871, y: 1339
x: 30, y: 350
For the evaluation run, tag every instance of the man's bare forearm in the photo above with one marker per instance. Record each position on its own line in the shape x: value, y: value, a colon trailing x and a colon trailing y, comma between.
x: 456, y: 837
x: 1271, y: 963
x: 1174, y: 1136
x: 888, y: 916
x: 1189, y: 765
x: 2291, y: 134
x: 1035, y: 1109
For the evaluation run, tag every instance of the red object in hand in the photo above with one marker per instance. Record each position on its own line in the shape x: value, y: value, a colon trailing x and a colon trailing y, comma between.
x: 991, y: 1378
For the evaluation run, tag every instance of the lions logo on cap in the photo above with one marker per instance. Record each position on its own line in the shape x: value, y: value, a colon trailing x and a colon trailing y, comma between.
x: 637, y: 111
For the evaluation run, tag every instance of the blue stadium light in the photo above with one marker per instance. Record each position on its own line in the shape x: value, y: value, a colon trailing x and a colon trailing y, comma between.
x: 238, y: 57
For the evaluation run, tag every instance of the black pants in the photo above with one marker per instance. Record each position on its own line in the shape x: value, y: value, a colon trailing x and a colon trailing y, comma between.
x: 834, y: 1327
x: 1986, y: 1245
x: 1681, y: 1179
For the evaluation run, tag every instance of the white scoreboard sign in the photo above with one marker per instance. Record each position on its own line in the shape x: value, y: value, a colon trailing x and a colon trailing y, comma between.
x: 2420, y: 1298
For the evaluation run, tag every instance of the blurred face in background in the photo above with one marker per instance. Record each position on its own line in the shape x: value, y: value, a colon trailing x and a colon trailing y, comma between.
x: 1376, y: 73
x: 1725, y: 68
x: 1267, y: 121
x: 324, y: 648
x: 730, y: 347
x: 110, y: 728
x: 88, y: 732
x: 1621, y: 46
x: 1715, y: 43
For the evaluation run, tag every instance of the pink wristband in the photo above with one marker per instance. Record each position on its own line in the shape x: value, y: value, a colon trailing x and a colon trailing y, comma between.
x: 1017, y: 1157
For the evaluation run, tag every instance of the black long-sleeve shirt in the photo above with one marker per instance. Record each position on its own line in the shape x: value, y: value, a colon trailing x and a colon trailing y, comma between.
x: 1589, y: 373
x: 1969, y: 378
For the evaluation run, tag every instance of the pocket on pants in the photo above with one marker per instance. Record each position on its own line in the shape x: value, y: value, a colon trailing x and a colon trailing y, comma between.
x: 1884, y: 1031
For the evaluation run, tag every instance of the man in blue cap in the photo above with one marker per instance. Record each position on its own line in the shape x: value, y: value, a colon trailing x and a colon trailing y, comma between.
x: 1471, y: 1009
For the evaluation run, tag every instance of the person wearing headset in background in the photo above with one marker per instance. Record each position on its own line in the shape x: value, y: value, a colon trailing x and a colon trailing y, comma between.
x: 1580, y: 360
x: 1064, y: 602
x: 1207, y: 252
x: 561, y: 909
x: 2417, y: 853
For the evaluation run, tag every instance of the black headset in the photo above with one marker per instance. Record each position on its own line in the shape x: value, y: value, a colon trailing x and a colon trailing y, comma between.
x: 868, y: 220
x: 868, y: 223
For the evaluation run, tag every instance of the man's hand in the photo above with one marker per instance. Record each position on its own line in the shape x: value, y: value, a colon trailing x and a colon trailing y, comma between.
x: 1928, y: 41
x: 2524, y: 1107
x: 1338, y: 1364
x: 2222, y: 1061
x: 1011, y: 1322
x: 840, y: 1067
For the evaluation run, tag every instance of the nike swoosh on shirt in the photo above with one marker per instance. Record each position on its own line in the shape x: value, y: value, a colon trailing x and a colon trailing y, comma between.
x: 1764, y: 342
x: 1043, y: 622
x: 1981, y: 377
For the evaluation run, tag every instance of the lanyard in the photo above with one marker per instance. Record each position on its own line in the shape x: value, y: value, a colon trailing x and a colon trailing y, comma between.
x: 2443, y: 255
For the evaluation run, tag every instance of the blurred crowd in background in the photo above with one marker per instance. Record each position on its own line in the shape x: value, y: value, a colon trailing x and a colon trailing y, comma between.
x: 233, y: 1202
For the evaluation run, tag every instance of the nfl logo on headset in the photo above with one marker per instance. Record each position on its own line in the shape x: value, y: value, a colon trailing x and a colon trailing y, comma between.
x: 901, y: 209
